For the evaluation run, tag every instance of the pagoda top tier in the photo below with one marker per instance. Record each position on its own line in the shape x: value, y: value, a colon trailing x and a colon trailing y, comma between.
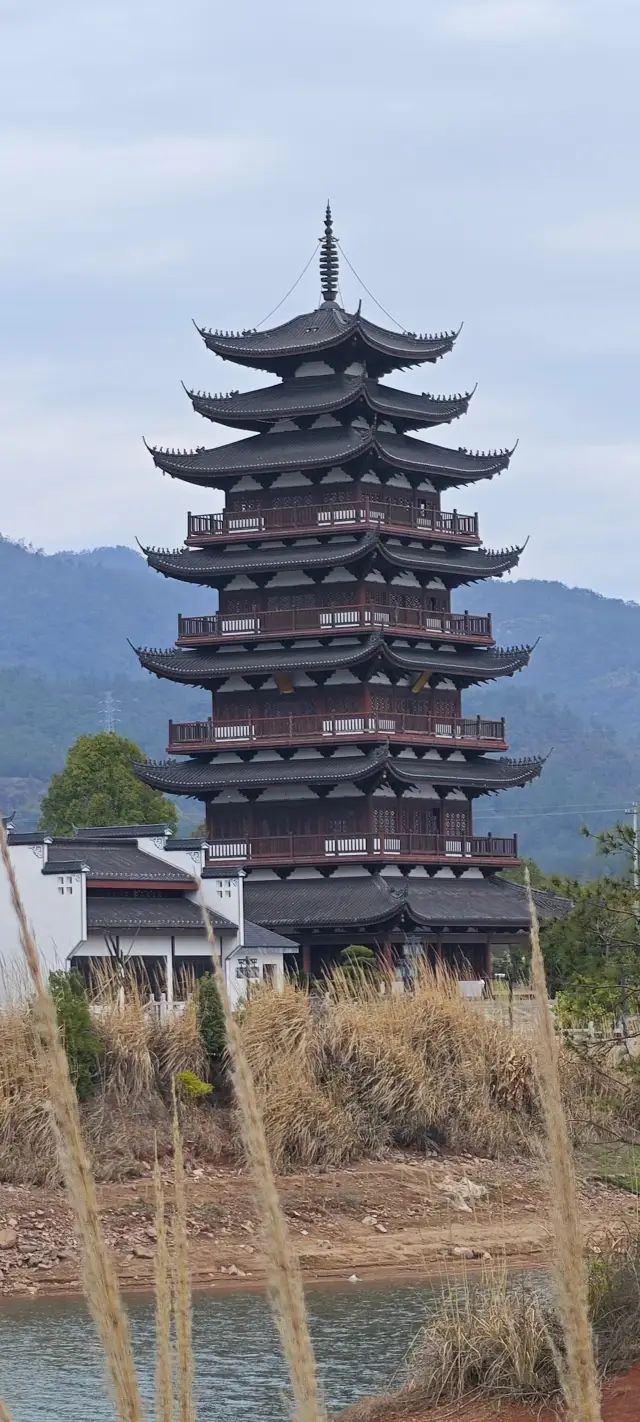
x: 329, y: 337
x: 337, y: 338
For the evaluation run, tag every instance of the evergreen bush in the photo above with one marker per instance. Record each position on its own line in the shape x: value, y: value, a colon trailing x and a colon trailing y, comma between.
x: 81, y: 1042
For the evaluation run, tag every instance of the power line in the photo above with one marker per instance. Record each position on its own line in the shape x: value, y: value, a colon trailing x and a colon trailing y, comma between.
x: 574, y: 810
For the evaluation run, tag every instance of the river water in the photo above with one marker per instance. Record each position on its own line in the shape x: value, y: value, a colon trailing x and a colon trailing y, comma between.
x: 51, y: 1368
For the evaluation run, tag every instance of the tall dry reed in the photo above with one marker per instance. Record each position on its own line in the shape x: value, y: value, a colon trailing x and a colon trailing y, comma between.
x: 181, y: 1280
x: 283, y: 1272
x: 579, y: 1376
x: 5, y: 1415
x: 162, y: 1270
x: 100, y: 1280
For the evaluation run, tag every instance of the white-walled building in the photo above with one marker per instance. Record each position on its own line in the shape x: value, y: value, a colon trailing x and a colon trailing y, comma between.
x: 128, y: 893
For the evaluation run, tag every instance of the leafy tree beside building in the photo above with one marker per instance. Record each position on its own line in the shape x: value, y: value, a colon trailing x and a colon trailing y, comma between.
x: 98, y: 787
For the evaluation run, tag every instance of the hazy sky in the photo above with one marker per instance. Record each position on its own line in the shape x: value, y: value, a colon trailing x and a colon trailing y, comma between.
x: 162, y: 161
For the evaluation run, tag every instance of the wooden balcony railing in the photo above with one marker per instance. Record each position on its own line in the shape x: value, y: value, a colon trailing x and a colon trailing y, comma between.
x: 311, y: 620
x: 367, y: 512
x: 287, y: 730
x: 320, y: 848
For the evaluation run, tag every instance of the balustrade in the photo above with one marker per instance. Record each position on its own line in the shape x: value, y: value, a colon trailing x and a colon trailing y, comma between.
x: 367, y: 511
x: 320, y: 848
x: 291, y: 730
x: 311, y: 620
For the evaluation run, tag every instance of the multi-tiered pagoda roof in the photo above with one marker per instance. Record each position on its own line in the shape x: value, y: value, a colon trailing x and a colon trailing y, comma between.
x: 337, y: 746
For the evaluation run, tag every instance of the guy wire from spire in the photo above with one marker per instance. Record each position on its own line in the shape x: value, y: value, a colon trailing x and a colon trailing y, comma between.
x: 365, y: 288
x: 291, y: 288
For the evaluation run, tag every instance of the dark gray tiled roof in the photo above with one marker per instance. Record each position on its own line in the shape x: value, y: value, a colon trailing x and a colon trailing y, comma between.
x: 474, y: 664
x: 454, y: 566
x: 330, y: 903
x: 190, y: 776
x: 208, y: 565
x: 327, y: 394
x: 115, y: 861
x: 154, y: 831
x: 478, y: 902
x: 348, y: 903
x: 255, y: 936
x: 174, y: 914
x: 280, y: 451
x: 328, y: 329
x: 200, y: 668
x: 205, y: 667
x: 34, y: 837
x: 195, y: 777
x: 212, y: 567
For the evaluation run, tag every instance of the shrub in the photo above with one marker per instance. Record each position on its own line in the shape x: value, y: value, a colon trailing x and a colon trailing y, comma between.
x: 81, y: 1043
x: 211, y: 1023
x: 190, y: 1086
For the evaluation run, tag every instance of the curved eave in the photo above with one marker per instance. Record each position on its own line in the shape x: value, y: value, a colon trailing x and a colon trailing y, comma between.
x: 450, y: 466
x: 196, y: 777
x: 483, y: 776
x: 270, y: 454
x: 201, y: 669
x: 327, y: 395
x: 328, y: 331
x: 210, y: 668
x: 472, y: 667
x: 211, y: 568
x: 468, y: 566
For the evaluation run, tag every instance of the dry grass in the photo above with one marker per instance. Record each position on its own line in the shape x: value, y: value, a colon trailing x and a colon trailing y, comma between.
x: 489, y: 1338
x: 100, y: 1281
x: 181, y: 1281
x: 162, y: 1270
x: 579, y: 1376
x: 283, y: 1272
x: 360, y: 1073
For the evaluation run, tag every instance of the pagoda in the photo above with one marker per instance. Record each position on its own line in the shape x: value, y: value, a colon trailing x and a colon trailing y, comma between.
x: 337, y: 765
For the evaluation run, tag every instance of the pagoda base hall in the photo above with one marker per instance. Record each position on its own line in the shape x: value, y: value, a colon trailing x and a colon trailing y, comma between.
x: 337, y: 766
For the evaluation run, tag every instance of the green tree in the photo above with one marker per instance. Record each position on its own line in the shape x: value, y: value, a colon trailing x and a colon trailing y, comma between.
x: 593, y: 955
x: 359, y: 961
x: 81, y: 1043
x: 98, y: 787
x: 211, y: 1022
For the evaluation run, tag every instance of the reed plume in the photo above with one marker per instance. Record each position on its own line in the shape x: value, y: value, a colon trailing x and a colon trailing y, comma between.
x: 283, y: 1274
x: 181, y: 1281
x: 579, y: 1376
x: 164, y: 1369
x: 100, y: 1280
x: 5, y: 1415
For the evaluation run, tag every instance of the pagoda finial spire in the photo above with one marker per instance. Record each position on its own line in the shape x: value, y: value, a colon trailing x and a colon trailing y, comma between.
x: 328, y: 259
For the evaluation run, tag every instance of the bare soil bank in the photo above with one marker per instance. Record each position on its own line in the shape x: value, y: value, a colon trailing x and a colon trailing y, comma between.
x: 376, y: 1220
x: 620, y: 1403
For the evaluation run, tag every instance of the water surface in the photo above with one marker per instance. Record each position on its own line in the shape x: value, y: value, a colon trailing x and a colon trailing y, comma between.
x: 51, y: 1368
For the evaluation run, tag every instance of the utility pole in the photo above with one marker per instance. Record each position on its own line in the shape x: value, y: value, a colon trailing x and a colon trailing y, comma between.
x: 109, y: 710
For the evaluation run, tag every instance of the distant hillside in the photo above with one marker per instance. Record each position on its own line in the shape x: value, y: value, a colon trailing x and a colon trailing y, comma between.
x: 70, y: 614
x: 63, y: 645
x: 589, y: 649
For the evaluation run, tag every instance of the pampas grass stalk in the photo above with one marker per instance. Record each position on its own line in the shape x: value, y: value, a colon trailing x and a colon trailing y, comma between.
x: 5, y: 1415
x: 100, y: 1280
x: 579, y: 1379
x: 181, y: 1281
x: 283, y: 1273
x: 164, y: 1369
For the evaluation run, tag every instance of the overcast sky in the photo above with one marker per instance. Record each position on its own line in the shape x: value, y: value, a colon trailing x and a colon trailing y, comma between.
x: 169, y: 159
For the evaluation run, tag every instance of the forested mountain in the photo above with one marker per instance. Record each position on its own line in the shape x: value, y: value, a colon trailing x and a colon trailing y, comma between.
x: 63, y: 646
